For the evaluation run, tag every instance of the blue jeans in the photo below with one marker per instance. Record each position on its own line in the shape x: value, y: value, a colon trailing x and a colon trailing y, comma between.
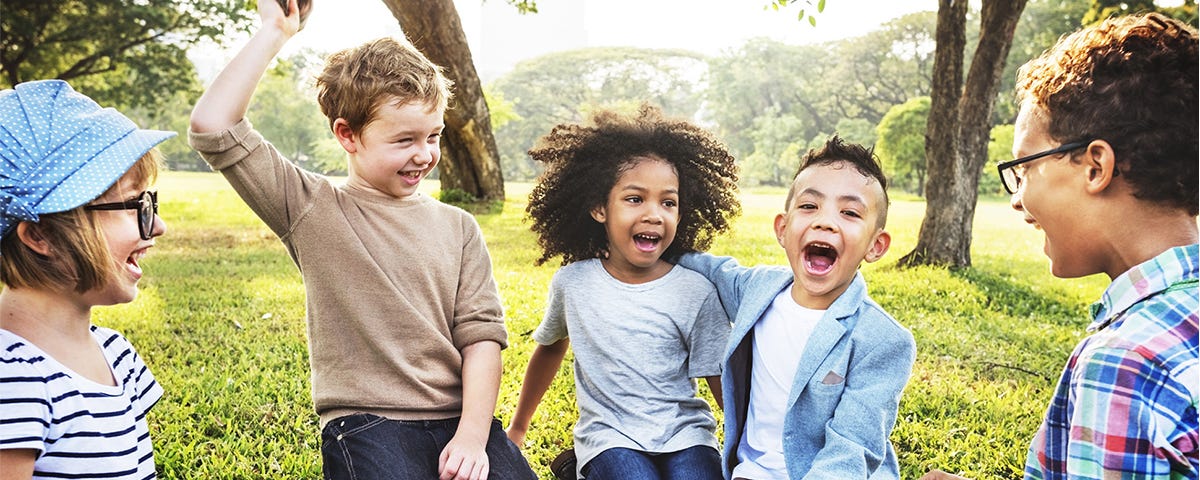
x: 700, y: 462
x: 365, y: 446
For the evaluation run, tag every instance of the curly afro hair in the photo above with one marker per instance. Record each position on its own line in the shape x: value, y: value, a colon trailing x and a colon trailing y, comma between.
x: 583, y: 162
x: 1131, y: 81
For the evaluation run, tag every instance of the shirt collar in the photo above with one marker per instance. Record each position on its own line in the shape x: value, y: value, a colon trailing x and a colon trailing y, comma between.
x: 1152, y: 276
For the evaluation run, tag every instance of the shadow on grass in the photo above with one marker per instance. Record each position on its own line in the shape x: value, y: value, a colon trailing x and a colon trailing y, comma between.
x: 1014, y: 297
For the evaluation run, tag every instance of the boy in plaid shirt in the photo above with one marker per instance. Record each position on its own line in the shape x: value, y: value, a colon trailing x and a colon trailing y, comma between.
x: 1107, y: 136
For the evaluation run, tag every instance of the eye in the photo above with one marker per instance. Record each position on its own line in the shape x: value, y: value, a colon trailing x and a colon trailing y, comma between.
x: 670, y: 203
x: 851, y: 213
x: 634, y: 199
x: 435, y: 137
x: 806, y: 206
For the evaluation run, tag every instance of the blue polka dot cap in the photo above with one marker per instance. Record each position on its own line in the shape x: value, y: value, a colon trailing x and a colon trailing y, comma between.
x: 59, y: 150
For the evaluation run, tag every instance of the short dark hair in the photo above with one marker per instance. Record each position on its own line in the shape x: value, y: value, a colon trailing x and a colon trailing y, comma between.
x: 835, y: 151
x: 1130, y: 81
x: 583, y: 163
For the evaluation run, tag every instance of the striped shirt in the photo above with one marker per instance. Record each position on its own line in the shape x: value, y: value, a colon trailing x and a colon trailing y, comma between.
x: 81, y: 429
x: 1125, y: 406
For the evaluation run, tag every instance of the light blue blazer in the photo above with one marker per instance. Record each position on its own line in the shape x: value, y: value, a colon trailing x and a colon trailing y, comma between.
x: 844, y: 397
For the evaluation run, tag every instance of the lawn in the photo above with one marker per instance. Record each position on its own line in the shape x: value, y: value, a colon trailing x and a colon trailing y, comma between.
x: 220, y: 320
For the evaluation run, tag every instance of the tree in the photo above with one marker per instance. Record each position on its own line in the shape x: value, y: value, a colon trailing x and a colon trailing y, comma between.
x: 958, y: 127
x: 122, y: 53
x: 470, y: 160
x: 901, y: 146
x: 1042, y: 24
x: 561, y: 87
x: 767, y: 78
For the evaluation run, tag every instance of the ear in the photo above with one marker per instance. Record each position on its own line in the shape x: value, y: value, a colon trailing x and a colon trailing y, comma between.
x: 31, y: 236
x: 345, y: 135
x: 599, y: 214
x: 879, y: 246
x: 780, y: 226
x: 1100, y: 162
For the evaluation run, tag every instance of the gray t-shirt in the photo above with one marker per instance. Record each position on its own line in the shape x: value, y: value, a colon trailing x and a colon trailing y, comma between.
x: 637, y: 350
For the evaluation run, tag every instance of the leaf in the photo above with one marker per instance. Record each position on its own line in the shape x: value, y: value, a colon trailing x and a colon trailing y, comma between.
x: 820, y: 6
x: 800, y: 16
x: 812, y: 20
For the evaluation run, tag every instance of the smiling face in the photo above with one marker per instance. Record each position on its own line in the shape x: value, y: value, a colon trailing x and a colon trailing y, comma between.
x: 640, y: 216
x: 125, y: 246
x: 831, y: 225
x: 394, y: 151
x: 1047, y: 184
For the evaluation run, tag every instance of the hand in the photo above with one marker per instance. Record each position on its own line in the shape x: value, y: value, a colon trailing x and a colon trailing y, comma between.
x: 464, y: 458
x: 516, y: 435
x: 936, y: 474
x: 272, y: 14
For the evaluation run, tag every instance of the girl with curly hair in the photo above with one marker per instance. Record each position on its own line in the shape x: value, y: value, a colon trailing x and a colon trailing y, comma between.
x: 620, y: 200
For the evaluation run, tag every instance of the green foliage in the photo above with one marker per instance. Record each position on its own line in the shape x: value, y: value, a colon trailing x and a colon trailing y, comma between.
x: 1102, y: 9
x: 561, y: 87
x: 285, y: 111
x: 123, y: 53
x: 999, y: 151
x: 776, y: 151
x: 220, y: 321
x: 901, y: 146
x: 1042, y: 23
x: 823, y: 85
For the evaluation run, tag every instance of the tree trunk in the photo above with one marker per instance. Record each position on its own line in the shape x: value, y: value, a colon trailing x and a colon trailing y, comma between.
x: 470, y: 160
x: 958, y: 128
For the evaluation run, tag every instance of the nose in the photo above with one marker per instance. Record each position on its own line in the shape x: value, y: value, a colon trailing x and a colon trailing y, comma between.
x: 653, y: 215
x: 824, y: 220
x: 427, y: 154
x: 159, y: 228
x: 1015, y: 200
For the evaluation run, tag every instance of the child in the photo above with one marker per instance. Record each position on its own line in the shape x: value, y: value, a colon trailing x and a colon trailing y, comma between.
x: 1107, y: 135
x: 405, y: 324
x: 76, y: 221
x: 814, y: 369
x: 617, y: 200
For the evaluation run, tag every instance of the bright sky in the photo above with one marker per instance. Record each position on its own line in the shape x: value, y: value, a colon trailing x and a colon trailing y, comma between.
x: 500, y: 37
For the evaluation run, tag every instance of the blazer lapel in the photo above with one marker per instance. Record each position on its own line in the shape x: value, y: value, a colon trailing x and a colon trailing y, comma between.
x: 745, y: 321
x: 828, y: 332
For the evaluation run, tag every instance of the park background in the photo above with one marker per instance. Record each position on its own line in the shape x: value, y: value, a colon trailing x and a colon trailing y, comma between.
x: 221, y: 316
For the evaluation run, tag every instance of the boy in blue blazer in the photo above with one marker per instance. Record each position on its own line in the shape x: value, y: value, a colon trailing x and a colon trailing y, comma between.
x: 814, y: 368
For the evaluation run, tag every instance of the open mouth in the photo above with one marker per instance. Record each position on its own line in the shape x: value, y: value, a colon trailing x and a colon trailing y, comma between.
x: 411, y: 175
x: 132, y: 261
x: 647, y: 242
x: 819, y: 257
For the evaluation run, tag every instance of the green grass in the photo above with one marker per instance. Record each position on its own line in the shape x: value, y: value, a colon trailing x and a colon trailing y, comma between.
x: 220, y: 320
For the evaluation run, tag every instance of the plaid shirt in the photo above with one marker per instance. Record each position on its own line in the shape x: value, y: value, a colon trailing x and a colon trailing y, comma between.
x: 1125, y: 406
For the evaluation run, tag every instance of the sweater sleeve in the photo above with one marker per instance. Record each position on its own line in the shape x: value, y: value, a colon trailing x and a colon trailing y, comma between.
x: 478, y: 313
x: 277, y: 190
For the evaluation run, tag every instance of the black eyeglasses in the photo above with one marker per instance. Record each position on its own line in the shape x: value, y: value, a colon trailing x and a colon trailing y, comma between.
x: 146, y: 204
x: 1012, y: 179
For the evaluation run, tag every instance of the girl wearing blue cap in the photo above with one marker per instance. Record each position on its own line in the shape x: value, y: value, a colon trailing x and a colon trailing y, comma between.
x: 75, y: 221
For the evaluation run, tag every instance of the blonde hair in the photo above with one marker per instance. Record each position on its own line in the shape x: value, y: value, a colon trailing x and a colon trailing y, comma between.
x: 79, y: 258
x: 357, y: 81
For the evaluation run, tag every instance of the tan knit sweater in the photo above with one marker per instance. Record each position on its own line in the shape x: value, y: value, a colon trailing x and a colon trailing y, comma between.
x: 395, y: 287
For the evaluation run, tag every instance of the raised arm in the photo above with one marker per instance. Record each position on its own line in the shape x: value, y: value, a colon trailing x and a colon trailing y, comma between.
x: 543, y: 365
x: 224, y: 103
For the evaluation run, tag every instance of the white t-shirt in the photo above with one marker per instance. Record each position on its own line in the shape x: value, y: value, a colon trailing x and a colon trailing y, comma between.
x: 779, y: 341
x: 82, y: 429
